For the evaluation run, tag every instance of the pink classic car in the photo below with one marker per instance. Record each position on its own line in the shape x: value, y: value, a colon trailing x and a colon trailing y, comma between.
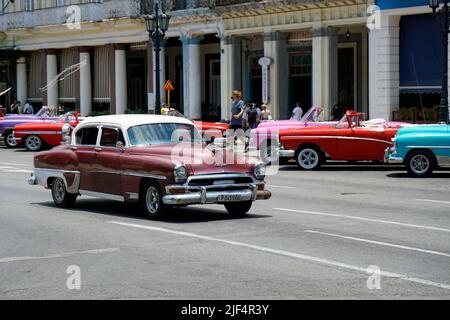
x: 264, y: 137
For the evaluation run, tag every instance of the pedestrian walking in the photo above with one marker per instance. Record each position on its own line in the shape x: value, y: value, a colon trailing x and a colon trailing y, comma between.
x: 265, y: 114
x: 337, y: 112
x: 14, y: 108
x: 28, y: 108
x: 253, y: 116
x: 237, y: 111
x: 297, y: 113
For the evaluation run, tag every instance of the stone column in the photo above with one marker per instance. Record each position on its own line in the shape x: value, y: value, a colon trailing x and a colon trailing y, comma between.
x: 22, y: 85
x: 52, y: 72
x: 230, y: 71
x: 325, y: 73
x: 275, y: 47
x: 162, y: 64
x: 85, y: 82
x: 384, y: 68
x: 192, y: 77
x: 121, y: 79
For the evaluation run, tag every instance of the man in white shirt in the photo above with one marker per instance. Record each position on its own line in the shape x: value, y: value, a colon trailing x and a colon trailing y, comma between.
x: 297, y: 113
x: 28, y: 108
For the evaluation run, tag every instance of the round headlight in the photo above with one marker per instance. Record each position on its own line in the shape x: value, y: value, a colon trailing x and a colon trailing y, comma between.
x: 180, y: 173
x: 260, y: 170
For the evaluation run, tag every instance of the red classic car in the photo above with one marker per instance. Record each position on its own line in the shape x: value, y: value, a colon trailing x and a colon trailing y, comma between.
x: 160, y: 161
x: 212, y: 130
x: 209, y: 130
x: 34, y: 136
x: 348, y: 140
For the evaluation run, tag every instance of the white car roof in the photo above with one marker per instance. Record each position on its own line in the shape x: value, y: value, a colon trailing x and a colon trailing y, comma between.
x: 125, y: 121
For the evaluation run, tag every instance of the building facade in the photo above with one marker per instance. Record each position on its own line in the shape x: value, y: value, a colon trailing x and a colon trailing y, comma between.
x: 94, y: 55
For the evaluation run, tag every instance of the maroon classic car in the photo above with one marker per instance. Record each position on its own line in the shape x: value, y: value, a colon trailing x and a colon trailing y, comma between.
x: 160, y: 161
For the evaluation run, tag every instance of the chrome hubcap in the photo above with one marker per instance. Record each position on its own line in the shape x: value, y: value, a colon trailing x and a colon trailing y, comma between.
x: 152, y: 200
x: 10, y: 140
x: 33, y: 143
x: 59, y: 190
x: 419, y: 164
x: 308, y: 158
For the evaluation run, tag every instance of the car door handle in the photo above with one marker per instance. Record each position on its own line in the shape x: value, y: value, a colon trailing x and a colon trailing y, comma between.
x: 74, y: 148
x: 98, y: 149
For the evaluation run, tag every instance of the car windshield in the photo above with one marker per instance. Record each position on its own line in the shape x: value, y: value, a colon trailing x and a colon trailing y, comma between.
x: 44, y: 112
x: 312, y: 115
x: 162, y: 133
x: 344, y: 122
x: 67, y: 118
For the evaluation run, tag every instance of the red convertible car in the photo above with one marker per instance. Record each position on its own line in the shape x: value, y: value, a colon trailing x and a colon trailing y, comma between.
x: 34, y: 136
x: 160, y: 161
x: 348, y: 140
x: 209, y: 130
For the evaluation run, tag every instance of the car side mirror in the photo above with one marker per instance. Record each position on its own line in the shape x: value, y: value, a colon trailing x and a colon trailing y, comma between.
x: 119, y: 145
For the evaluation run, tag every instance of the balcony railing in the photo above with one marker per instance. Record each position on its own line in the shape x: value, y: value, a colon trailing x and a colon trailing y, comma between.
x: 91, y: 11
x: 221, y: 3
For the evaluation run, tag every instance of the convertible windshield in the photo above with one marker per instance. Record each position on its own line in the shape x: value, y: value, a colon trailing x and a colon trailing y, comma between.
x: 312, y: 115
x: 161, y: 133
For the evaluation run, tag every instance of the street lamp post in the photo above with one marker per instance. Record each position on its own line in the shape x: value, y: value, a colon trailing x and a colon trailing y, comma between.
x: 443, y: 107
x: 157, y: 25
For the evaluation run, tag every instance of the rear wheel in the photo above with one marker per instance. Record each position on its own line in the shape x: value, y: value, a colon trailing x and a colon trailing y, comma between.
x: 152, y: 202
x: 238, y: 209
x: 309, y: 158
x: 9, y: 140
x: 61, y: 197
x: 420, y: 163
x: 33, y: 143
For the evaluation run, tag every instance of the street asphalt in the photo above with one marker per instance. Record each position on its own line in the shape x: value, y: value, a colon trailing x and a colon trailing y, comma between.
x: 315, y: 239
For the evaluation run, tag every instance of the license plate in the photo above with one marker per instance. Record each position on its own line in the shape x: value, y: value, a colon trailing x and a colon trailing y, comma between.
x: 228, y: 198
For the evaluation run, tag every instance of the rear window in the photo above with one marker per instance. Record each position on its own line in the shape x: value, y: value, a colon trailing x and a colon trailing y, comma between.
x: 110, y: 137
x: 87, y: 136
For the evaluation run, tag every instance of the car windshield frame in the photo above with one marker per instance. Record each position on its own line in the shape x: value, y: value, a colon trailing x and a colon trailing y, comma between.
x: 134, y: 141
x: 309, y: 115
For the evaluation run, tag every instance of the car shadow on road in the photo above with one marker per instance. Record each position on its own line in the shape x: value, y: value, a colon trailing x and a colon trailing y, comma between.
x: 346, y: 167
x: 435, y: 175
x: 134, y: 211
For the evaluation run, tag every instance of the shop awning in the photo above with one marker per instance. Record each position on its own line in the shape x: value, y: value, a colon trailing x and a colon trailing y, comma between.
x: 420, y: 54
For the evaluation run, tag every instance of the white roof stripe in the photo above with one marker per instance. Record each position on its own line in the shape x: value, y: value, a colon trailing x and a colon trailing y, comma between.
x: 130, y: 120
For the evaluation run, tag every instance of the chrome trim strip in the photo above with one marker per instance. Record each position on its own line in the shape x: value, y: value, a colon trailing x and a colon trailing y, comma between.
x: 230, y: 175
x: 102, y: 195
x: 208, y: 187
x: 339, y: 137
x: 38, y: 132
x: 131, y: 174
x: 428, y: 147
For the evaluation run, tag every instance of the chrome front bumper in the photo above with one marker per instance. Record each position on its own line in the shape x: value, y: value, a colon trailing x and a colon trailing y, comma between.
x: 389, y: 156
x: 286, y: 154
x: 204, y: 196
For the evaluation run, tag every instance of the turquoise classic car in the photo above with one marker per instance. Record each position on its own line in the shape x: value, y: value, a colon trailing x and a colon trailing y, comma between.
x: 421, y: 148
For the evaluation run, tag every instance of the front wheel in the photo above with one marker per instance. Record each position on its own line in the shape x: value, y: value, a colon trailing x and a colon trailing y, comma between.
x: 33, y: 143
x: 152, y: 201
x: 309, y: 158
x: 420, y: 163
x: 238, y: 209
x: 61, y: 197
x: 9, y: 140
